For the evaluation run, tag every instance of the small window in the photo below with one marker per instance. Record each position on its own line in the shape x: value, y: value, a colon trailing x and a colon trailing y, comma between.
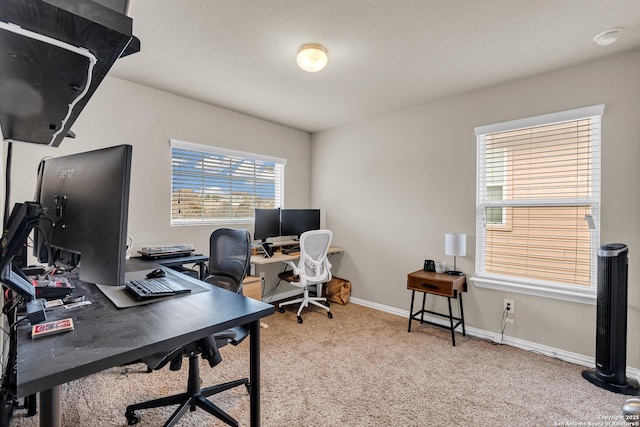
x: 212, y: 185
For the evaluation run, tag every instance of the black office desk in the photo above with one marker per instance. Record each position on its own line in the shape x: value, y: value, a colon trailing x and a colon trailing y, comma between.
x: 139, y: 263
x: 105, y: 337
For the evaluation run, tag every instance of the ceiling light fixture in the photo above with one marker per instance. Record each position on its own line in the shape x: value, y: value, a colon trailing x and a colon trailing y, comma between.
x: 312, y: 57
x: 607, y: 37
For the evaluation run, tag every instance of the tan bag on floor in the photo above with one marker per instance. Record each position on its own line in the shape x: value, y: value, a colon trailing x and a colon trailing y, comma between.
x: 338, y: 290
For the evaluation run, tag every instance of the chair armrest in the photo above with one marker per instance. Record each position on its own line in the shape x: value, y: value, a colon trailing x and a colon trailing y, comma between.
x: 209, y: 346
x: 241, y: 332
x: 159, y: 360
x: 293, y: 266
x: 228, y: 335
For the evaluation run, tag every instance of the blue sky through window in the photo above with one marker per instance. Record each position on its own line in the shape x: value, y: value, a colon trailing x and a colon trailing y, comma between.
x: 207, y: 185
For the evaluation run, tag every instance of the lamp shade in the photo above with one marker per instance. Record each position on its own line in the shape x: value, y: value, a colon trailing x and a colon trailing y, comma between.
x: 455, y: 244
x: 312, y: 57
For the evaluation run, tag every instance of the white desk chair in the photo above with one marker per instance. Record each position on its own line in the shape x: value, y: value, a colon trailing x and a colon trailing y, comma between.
x: 313, y: 268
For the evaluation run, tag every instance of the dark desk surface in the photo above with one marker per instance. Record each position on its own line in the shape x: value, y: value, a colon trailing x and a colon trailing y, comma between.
x: 139, y: 263
x: 105, y: 336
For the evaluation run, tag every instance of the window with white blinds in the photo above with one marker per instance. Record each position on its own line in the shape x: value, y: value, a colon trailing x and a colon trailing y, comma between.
x: 538, y: 201
x: 211, y: 185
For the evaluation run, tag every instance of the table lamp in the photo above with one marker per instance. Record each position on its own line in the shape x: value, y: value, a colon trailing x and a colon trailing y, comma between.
x: 455, y: 244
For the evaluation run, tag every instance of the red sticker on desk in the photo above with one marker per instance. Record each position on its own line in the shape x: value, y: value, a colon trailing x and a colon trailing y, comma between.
x: 50, y: 328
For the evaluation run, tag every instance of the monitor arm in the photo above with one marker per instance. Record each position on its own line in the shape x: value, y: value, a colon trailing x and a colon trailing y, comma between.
x: 21, y: 221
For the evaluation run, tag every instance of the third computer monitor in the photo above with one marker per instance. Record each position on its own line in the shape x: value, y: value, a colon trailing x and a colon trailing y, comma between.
x: 294, y: 222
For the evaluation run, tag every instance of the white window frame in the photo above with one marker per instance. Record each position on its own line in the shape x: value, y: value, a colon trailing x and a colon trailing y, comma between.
x: 549, y: 289
x: 217, y: 151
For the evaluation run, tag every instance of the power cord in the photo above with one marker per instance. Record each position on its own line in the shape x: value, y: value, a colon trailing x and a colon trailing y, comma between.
x: 91, y: 58
x: 129, y: 246
x: 503, y: 322
x: 7, y: 189
x: 272, y: 292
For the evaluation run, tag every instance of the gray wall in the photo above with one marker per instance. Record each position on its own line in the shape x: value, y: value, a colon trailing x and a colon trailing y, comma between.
x: 125, y: 113
x: 392, y: 186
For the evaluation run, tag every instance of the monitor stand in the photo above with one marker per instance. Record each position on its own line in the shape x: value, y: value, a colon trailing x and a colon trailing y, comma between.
x: 268, y: 250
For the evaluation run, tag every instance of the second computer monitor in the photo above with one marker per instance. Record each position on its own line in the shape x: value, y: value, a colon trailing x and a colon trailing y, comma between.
x: 267, y: 224
x: 294, y: 222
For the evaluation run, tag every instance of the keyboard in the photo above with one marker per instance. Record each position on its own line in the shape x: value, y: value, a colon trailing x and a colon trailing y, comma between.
x: 153, y: 288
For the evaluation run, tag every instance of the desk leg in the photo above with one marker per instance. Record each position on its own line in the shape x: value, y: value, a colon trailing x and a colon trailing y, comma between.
x: 464, y: 333
x: 31, y: 403
x: 202, y: 272
x: 254, y: 372
x: 453, y: 335
x: 51, y: 407
x: 413, y: 294
x: 424, y: 299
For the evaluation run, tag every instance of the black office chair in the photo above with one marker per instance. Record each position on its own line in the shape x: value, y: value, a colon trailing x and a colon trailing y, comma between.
x: 229, y: 260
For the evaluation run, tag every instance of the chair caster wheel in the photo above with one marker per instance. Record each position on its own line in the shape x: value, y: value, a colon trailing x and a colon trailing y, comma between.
x: 132, y: 418
x: 330, y: 315
x: 326, y: 303
x: 299, y: 319
x: 281, y: 310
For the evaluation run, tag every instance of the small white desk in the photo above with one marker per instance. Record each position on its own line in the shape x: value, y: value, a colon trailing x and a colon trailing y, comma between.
x: 260, y: 260
x: 280, y: 257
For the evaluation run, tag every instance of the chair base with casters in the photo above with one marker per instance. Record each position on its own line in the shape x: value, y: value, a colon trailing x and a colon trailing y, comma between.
x: 195, y: 396
x: 229, y: 261
x: 304, y: 302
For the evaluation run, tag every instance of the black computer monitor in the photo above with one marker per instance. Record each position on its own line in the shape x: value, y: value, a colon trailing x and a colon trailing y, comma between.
x: 294, y: 222
x: 267, y: 224
x: 88, y: 194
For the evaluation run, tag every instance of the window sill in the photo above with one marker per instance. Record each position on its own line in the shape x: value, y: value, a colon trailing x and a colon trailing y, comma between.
x: 214, y: 222
x: 566, y: 293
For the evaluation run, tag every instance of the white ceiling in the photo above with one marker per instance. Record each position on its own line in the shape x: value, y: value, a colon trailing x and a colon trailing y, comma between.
x: 384, y: 55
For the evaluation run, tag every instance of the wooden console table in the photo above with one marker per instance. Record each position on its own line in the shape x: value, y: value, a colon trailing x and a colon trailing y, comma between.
x: 440, y: 284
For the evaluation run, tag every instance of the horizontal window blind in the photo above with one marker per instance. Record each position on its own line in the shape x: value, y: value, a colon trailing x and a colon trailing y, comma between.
x: 538, y: 191
x: 209, y: 184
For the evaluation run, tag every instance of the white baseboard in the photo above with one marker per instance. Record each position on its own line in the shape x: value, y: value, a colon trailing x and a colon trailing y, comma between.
x: 567, y: 356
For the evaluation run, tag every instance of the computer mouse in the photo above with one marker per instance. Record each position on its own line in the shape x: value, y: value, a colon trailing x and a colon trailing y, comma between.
x: 158, y: 272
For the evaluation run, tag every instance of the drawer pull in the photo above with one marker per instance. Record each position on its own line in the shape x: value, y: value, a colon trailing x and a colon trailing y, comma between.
x: 430, y: 286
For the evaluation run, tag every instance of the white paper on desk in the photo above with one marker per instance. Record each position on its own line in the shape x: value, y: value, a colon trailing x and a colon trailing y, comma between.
x: 77, y: 304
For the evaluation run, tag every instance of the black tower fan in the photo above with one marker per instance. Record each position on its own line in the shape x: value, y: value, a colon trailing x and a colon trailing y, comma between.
x: 611, y: 316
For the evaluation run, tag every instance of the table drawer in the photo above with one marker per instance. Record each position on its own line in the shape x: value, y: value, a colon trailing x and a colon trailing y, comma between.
x: 433, y: 287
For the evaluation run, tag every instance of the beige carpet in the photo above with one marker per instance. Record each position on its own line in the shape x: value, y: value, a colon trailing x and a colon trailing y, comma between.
x: 361, y: 368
